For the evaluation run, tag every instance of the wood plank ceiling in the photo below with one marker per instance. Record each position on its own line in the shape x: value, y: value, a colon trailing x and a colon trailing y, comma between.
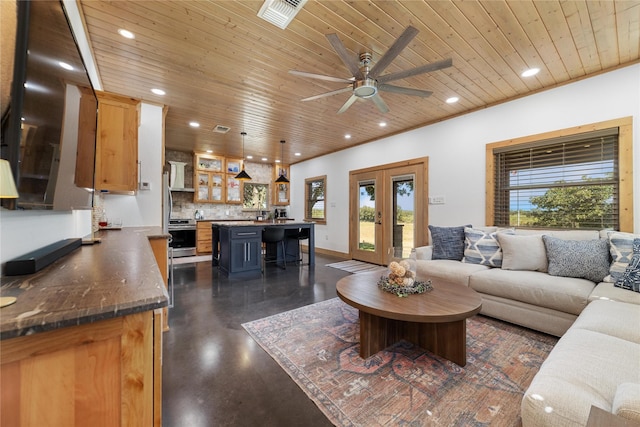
x: 220, y: 64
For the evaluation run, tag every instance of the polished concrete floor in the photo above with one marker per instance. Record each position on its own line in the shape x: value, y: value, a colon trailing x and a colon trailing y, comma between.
x: 214, y: 373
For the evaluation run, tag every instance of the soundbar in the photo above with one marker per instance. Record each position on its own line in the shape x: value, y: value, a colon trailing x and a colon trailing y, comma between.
x: 37, y: 260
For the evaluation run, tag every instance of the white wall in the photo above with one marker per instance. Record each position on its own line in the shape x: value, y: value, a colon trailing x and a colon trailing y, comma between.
x: 456, y: 150
x: 24, y: 231
x: 145, y: 208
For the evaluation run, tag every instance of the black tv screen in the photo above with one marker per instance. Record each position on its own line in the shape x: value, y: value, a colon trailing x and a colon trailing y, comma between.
x: 49, y: 121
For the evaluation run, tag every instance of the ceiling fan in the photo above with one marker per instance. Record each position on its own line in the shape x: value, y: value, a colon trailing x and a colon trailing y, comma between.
x: 367, y: 82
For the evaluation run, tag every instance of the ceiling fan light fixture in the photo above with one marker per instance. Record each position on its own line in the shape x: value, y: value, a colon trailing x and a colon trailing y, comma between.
x: 243, y: 175
x: 365, y: 88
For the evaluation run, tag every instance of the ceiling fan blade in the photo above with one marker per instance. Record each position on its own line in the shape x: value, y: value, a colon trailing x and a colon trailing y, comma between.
x: 382, y: 106
x: 349, y: 60
x: 320, y: 76
x: 347, y: 104
x: 434, y: 66
x: 324, y: 95
x: 395, y: 49
x: 405, y: 90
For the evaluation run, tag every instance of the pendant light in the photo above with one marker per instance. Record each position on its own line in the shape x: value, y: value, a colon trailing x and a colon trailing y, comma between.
x: 243, y: 176
x: 282, y: 179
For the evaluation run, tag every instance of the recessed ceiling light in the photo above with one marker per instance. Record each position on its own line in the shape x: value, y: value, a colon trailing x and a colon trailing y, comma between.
x: 194, y: 124
x: 264, y: 159
x: 158, y: 91
x: 209, y: 151
x: 277, y: 160
x: 530, y: 72
x: 126, y: 33
x: 249, y: 157
x: 347, y: 136
x: 452, y: 100
x: 297, y: 154
x: 65, y: 66
x: 382, y: 124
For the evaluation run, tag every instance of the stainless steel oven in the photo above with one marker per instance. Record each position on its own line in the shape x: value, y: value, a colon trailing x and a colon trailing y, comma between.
x: 183, y: 237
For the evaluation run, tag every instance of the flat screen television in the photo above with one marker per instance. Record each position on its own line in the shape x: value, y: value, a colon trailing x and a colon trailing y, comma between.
x: 49, y: 120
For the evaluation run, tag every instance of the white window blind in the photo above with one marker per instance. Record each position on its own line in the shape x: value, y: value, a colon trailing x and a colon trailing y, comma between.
x: 568, y: 182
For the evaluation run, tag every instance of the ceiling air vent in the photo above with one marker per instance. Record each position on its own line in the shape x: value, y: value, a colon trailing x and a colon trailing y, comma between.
x: 280, y: 12
x: 221, y: 129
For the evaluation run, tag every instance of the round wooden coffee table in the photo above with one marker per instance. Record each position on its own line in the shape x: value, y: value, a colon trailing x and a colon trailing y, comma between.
x: 435, y: 320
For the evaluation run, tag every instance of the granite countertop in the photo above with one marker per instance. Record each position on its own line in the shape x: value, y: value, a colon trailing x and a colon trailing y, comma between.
x: 259, y: 223
x: 116, y: 277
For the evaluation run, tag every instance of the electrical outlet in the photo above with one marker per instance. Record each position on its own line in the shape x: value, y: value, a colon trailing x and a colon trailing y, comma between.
x: 436, y: 200
x: 145, y: 185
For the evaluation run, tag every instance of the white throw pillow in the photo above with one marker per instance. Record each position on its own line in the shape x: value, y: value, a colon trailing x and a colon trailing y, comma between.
x: 523, y: 252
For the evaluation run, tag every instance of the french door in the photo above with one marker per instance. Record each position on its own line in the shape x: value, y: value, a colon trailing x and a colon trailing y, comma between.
x: 388, y: 211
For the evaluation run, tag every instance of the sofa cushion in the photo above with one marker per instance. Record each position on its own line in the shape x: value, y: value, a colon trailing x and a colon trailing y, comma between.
x: 448, y: 242
x: 604, y: 316
x: 482, y: 247
x: 607, y: 291
x: 523, y: 252
x: 447, y: 270
x: 631, y: 278
x: 583, y: 369
x: 621, y: 249
x: 566, y: 294
x: 588, y: 259
x: 626, y: 402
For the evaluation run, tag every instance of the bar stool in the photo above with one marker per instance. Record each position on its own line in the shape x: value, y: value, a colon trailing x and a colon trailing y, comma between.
x: 303, y: 234
x: 274, y: 235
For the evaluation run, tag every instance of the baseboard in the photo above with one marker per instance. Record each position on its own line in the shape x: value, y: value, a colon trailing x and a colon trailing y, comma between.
x: 36, y: 260
x: 328, y: 252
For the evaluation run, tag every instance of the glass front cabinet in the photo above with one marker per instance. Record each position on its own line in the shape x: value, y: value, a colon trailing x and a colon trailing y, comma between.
x: 280, y: 195
x: 209, y: 179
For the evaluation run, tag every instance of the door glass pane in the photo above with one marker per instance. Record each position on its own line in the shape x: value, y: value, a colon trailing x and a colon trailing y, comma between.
x: 366, y: 217
x: 403, y: 218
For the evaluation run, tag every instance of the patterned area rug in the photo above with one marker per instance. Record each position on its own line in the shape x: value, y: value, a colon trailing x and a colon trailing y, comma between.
x: 403, y: 385
x: 353, y: 266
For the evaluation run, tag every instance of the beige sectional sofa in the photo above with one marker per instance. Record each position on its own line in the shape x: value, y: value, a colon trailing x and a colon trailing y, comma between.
x: 597, y: 360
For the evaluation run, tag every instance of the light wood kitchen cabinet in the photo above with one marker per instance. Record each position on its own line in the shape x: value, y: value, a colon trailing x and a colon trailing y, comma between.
x: 203, y: 237
x: 160, y: 248
x: 208, y: 178
x: 116, y: 166
x: 105, y: 373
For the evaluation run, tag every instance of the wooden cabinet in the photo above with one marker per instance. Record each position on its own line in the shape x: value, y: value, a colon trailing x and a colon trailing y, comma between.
x: 234, y: 186
x: 117, y: 143
x: 105, y: 373
x: 240, y: 249
x: 209, y: 178
x: 280, y: 192
x: 203, y: 237
x: 160, y: 248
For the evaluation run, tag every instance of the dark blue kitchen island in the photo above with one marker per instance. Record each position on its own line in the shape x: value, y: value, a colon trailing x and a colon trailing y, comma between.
x: 237, y: 245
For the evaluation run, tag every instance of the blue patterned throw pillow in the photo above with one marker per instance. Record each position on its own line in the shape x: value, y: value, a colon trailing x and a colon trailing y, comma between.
x: 448, y: 242
x: 482, y: 247
x: 586, y: 259
x: 631, y: 278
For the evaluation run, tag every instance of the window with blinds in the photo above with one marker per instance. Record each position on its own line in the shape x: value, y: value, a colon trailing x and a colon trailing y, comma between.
x: 568, y: 182
x: 315, y: 194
